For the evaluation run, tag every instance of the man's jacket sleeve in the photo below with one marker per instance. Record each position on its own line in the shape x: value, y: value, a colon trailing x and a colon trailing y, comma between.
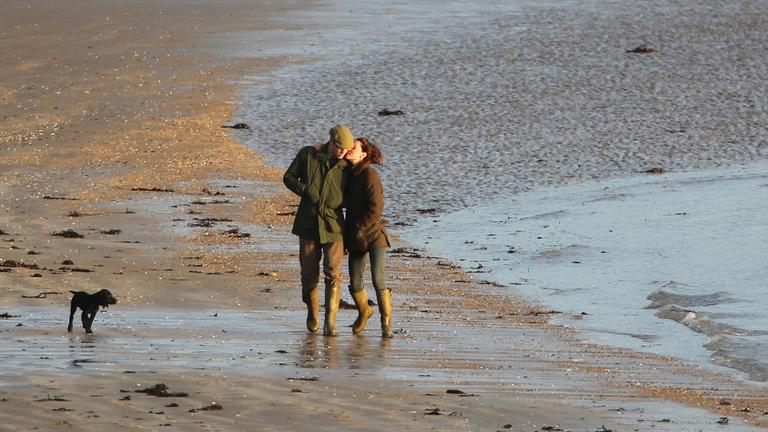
x: 293, y: 175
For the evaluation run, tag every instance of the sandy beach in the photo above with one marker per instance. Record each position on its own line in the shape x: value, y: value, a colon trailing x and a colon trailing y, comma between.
x: 116, y: 173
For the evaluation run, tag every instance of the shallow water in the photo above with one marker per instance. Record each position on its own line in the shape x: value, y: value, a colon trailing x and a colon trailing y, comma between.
x: 144, y: 340
x: 673, y: 264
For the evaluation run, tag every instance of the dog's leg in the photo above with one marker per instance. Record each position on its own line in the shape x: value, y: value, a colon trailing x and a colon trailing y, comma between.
x: 72, y: 310
x: 84, y: 319
x: 91, y: 316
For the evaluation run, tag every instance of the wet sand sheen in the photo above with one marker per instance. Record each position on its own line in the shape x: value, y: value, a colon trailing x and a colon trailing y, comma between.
x: 137, y: 349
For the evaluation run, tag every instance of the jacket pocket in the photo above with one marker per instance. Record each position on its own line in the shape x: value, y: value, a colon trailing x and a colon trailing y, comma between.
x: 334, y: 219
x: 363, y: 239
x: 306, y: 215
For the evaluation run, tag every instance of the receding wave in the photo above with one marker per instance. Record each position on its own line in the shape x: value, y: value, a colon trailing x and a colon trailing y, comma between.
x: 573, y: 251
x: 661, y: 298
x: 746, y: 355
x: 549, y: 215
x: 731, y: 346
x: 702, y: 323
x: 611, y: 197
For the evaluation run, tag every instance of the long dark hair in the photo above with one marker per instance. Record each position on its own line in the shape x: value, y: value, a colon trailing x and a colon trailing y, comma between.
x: 373, y: 155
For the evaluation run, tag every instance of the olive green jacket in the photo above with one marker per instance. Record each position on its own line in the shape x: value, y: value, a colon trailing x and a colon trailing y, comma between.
x: 319, y: 180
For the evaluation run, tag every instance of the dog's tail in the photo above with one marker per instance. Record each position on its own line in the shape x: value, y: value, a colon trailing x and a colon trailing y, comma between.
x: 73, y: 292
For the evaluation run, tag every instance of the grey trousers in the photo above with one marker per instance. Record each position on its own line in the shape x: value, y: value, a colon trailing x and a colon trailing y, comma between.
x: 378, y: 257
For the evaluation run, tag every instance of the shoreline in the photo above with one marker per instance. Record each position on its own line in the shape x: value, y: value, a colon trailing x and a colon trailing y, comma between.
x: 585, y: 249
x: 261, y: 275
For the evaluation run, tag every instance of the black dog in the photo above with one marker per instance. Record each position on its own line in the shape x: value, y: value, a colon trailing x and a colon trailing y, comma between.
x: 89, y: 304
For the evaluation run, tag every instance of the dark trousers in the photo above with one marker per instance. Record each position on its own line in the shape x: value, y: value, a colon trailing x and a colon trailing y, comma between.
x: 378, y: 257
x: 310, y: 252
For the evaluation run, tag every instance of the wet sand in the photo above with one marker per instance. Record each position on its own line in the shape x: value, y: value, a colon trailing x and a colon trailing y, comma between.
x: 545, y: 96
x: 100, y: 106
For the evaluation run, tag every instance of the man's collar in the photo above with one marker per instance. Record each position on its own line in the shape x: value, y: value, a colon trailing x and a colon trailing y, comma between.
x: 322, y: 155
x: 333, y: 161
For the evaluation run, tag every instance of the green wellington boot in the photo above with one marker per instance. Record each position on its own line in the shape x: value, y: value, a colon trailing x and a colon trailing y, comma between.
x: 332, y: 296
x: 385, y: 309
x: 363, y: 311
x: 310, y: 298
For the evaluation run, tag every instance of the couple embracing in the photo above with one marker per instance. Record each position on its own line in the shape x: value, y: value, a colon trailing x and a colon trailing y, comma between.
x: 334, y: 175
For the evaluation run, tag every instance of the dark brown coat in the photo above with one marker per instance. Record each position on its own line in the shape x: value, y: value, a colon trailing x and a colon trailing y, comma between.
x: 364, y: 197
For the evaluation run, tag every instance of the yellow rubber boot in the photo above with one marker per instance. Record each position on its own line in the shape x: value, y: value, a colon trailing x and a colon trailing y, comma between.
x: 332, y: 296
x: 313, y: 306
x: 385, y: 309
x: 363, y: 311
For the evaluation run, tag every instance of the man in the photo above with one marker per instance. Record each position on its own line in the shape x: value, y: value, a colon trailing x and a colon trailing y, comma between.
x: 319, y: 177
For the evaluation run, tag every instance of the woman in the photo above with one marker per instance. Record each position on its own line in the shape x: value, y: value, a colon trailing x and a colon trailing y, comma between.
x: 364, y: 234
